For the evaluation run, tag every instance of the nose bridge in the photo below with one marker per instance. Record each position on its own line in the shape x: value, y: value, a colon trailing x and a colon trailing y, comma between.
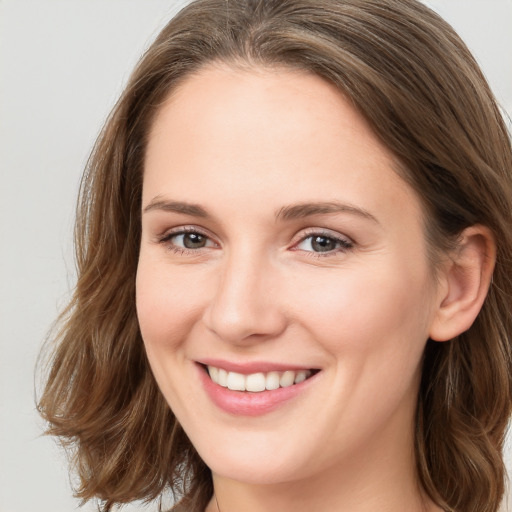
x: 242, y: 305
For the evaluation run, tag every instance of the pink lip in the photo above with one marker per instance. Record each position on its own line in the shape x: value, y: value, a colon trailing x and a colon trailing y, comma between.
x: 243, y: 403
x: 251, y: 367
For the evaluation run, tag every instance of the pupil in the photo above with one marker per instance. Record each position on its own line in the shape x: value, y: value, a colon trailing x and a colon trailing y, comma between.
x: 323, y: 244
x: 194, y: 241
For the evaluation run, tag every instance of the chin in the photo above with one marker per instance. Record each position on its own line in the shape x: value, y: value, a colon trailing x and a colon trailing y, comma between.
x: 253, y: 460
x: 269, y: 472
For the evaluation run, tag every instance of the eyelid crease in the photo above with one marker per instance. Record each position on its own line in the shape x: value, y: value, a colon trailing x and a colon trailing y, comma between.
x: 328, y: 233
x: 344, y: 242
x: 169, y: 233
x: 165, y: 240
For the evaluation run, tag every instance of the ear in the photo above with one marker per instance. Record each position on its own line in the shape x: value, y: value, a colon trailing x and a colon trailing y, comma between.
x: 464, y: 283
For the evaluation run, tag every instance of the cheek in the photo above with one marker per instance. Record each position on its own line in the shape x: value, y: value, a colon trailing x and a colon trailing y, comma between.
x: 167, y: 311
x: 373, y: 321
x: 373, y: 324
x: 166, y: 304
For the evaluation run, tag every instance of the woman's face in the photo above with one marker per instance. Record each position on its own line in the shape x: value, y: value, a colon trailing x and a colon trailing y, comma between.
x: 278, y: 243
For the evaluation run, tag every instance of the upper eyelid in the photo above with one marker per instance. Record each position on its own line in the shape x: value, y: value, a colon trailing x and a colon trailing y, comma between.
x: 169, y: 233
x: 165, y: 239
x: 302, y: 235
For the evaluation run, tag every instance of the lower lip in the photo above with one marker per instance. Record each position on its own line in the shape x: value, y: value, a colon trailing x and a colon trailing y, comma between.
x: 245, y: 403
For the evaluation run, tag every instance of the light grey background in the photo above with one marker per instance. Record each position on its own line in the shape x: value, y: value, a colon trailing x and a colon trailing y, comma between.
x: 62, y: 65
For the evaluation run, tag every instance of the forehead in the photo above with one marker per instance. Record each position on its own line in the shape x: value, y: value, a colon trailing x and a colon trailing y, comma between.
x: 283, y: 135
x: 248, y: 103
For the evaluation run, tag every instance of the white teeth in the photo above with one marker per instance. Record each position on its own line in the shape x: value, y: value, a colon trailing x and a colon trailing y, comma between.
x: 256, y: 382
x: 272, y: 380
x: 236, y: 381
x: 300, y: 376
x: 214, y: 373
x: 222, y: 378
x: 287, y: 379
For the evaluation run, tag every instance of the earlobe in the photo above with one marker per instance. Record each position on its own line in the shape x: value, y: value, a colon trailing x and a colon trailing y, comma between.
x: 466, y: 278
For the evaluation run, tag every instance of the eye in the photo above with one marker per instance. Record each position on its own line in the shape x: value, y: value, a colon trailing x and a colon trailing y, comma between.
x: 190, y: 240
x: 187, y: 240
x: 322, y: 243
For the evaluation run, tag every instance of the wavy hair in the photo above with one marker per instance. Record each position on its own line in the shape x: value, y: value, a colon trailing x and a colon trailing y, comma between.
x: 417, y: 85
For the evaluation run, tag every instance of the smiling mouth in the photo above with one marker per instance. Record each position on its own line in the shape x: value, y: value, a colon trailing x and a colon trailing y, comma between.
x: 258, y: 382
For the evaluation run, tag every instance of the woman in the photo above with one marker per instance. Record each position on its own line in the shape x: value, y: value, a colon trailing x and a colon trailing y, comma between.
x: 294, y: 287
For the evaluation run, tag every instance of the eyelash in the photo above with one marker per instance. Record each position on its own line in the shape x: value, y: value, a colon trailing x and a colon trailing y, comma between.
x: 343, y: 245
x: 167, y: 240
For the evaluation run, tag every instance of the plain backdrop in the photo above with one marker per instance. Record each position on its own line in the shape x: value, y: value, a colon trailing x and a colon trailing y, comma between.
x: 62, y: 65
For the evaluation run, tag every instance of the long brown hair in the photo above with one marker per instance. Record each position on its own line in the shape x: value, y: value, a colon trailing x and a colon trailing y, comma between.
x: 415, y: 82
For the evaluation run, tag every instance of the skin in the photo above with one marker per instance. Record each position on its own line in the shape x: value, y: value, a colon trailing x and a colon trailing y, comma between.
x: 243, y: 145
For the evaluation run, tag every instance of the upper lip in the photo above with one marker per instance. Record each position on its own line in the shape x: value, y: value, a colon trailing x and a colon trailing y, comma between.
x: 249, y: 367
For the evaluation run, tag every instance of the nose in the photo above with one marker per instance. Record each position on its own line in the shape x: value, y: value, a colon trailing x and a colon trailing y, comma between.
x: 245, y: 305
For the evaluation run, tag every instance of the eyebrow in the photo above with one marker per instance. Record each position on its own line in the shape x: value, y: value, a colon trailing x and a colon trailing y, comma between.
x: 177, y: 207
x: 290, y: 212
x: 299, y: 211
